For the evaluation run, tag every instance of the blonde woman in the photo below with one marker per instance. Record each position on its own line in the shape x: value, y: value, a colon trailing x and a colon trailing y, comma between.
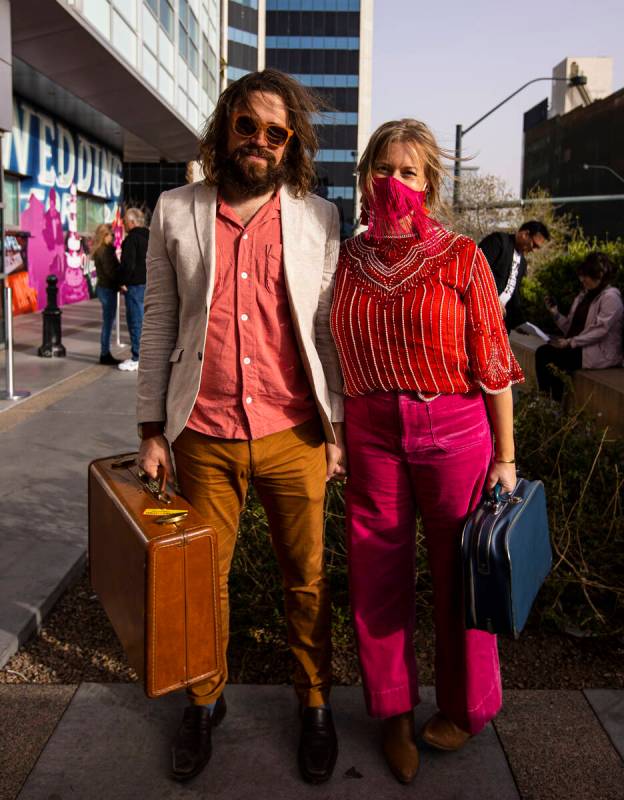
x: 428, y: 374
x: 107, y: 271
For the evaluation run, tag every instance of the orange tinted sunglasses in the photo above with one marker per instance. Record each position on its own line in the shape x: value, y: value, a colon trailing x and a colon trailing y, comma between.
x: 246, y: 126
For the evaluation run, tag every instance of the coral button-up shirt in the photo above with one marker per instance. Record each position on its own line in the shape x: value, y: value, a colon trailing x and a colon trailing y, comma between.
x: 253, y: 382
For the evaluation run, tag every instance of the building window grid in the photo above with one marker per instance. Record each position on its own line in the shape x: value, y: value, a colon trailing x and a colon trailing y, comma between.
x: 346, y: 192
x: 188, y: 36
x: 336, y: 156
x: 312, y: 5
x: 247, y: 3
x: 313, y: 42
x: 234, y: 73
x: 210, y: 68
x: 242, y: 37
x: 328, y: 81
x: 163, y: 11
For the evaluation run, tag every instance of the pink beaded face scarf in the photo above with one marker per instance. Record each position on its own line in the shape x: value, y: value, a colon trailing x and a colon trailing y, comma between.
x: 394, y: 209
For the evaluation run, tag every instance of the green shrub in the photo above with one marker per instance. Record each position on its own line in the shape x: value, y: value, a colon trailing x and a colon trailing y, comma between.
x: 581, y: 467
x: 557, y: 278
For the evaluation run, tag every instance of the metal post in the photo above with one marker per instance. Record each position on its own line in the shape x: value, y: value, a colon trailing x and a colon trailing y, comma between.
x: 52, y: 346
x: 118, y: 321
x: 9, y: 393
x: 457, y: 167
x: 2, y: 225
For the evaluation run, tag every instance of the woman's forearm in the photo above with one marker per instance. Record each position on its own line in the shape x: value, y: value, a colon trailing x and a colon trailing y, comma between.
x: 500, y: 410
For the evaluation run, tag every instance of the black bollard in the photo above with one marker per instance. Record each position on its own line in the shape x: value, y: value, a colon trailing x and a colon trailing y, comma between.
x: 52, y: 345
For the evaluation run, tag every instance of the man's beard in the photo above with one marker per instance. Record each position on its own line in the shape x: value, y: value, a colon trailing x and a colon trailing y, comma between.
x: 248, y: 178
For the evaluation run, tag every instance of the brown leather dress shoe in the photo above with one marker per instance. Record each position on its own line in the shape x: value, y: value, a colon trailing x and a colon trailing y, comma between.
x: 192, y: 746
x: 443, y: 734
x: 399, y: 746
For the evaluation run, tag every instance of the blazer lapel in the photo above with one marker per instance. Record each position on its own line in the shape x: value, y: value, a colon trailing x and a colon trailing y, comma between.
x: 204, y: 213
x: 291, y: 209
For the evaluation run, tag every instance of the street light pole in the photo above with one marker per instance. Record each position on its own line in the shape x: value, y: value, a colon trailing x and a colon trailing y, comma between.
x: 604, y: 166
x: 460, y: 132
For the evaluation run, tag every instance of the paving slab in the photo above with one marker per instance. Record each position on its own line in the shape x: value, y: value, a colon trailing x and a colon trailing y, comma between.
x: 113, y: 742
x: 557, y: 748
x: 81, y: 325
x: 28, y: 716
x: 43, y: 491
x: 608, y: 705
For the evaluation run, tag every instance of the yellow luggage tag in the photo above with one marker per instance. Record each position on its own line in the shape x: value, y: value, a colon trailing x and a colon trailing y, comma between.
x: 159, y: 512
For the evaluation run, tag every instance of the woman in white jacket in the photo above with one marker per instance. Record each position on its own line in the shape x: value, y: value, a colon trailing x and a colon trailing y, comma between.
x: 592, y: 330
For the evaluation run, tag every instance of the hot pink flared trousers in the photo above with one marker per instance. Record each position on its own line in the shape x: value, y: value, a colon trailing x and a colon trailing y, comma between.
x: 406, y: 454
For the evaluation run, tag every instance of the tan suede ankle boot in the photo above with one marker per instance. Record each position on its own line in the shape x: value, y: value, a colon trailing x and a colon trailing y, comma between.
x: 399, y: 746
x: 443, y: 734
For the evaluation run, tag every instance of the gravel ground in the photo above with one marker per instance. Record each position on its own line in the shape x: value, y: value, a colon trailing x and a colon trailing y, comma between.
x: 78, y: 644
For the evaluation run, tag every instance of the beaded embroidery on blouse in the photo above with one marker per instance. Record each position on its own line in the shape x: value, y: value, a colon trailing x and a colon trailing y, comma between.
x: 390, y: 266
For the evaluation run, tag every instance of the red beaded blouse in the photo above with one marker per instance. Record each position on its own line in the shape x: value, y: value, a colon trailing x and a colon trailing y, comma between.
x: 419, y: 316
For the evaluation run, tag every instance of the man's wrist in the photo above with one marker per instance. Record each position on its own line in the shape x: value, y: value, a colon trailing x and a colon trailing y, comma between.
x: 147, y: 430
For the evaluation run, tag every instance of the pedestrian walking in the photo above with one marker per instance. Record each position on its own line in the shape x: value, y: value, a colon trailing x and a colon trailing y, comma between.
x: 238, y: 371
x: 506, y: 254
x: 107, y: 272
x: 422, y: 344
x: 592, y: 330
x: 133, y: 277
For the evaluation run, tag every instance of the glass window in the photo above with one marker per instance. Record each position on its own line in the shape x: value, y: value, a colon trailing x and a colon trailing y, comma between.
x: 150, y: 67
x: 153, y: 4
x: 128, y: 9
x: 98, y: 12
x: 150, y: 31
x: 124, y: 39
x: 182, y: 41
x: 89, y: 213
x: 188, y: 37
x: 166, y: 17
x: 11, y: 202
x: 183, y: 12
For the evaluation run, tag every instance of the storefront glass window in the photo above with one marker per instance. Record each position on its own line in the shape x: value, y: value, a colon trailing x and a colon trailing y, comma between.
x: 89, y: 214
x: 11, y: 202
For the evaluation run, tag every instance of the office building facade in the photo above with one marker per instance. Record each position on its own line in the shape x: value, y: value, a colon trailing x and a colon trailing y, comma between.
x: 572, y: 145
x: 108, y: 96
x: 327, y: 45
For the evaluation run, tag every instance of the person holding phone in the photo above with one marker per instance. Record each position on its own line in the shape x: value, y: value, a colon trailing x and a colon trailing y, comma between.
x: 592, y: 330
x: 428, y: 373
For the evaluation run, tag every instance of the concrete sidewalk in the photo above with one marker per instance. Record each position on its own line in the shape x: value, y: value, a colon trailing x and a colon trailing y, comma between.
x: 78, y: 411
x: 102, y: 741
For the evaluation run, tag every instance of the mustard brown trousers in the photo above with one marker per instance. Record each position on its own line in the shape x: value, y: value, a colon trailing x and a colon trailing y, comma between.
x: 288, y: 471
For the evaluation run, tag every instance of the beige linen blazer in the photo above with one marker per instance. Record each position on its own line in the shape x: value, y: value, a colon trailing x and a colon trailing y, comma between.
x: 180, y: 282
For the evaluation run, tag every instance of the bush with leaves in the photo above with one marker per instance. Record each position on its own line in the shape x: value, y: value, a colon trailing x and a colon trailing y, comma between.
x: 557, y: 277
x: 581, y: 467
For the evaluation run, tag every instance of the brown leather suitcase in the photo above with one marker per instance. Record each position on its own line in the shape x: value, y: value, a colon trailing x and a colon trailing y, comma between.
x: 156, y: 575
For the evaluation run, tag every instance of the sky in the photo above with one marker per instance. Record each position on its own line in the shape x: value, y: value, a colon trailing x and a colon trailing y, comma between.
x: 449, y: 61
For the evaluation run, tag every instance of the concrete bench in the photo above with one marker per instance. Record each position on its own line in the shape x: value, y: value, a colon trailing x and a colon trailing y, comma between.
x: 600, y: 391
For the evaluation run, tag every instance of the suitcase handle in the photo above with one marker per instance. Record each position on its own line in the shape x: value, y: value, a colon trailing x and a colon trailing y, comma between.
x: 156, y: 487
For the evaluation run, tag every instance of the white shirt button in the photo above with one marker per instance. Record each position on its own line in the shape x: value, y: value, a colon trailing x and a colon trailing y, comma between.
x: 245, y: 236
x: 248, y: 400
x: 244, y: 276
x: 244, y: 317
x: 246, y: 360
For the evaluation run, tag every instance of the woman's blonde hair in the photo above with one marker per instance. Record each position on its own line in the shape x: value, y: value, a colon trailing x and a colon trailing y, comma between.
x: 414, y: 133
x: 101, y: 232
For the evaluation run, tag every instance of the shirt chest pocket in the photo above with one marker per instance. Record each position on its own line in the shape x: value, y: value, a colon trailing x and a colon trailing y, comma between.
x: 271, y: 269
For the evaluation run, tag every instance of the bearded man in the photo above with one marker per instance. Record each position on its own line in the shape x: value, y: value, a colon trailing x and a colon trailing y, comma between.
x: 238, y: 372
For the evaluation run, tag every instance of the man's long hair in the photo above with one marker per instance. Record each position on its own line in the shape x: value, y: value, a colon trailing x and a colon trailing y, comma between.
x: 301, y: 104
